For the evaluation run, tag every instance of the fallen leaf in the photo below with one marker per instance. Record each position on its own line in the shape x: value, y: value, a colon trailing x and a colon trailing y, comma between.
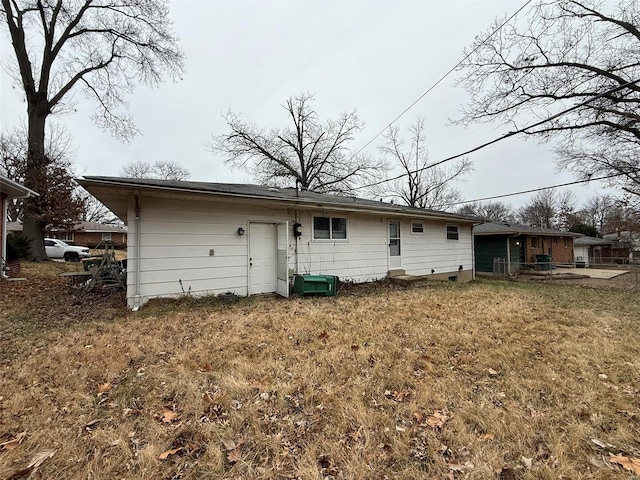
x: 418, y: 416
x: 169, y: 416
x: 488, y: 437
x: 437, y: 420
x: 458, y: 467
x: 527, y: 462
x: 13, y: 443
x: 355, y: 347
x: 36, y: 461
x: 400, y: 429
x: 492, y: 372
x: 629, y: 463
x: 229, y: 444
x: 207, y: 367
x: 165, y: 455
x: 234, y: 456
x: 324, y: 335
x: 402, y: 395
x: 104, y: 388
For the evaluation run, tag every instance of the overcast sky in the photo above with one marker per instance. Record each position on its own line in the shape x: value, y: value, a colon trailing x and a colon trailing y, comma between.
x: 250, y: 56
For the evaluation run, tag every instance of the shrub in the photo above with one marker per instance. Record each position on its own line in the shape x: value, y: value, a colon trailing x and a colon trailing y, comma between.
x: 18, y: 247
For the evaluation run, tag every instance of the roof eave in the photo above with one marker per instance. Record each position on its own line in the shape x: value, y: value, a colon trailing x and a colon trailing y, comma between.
x: 15, y: 189
x: 297, y: 201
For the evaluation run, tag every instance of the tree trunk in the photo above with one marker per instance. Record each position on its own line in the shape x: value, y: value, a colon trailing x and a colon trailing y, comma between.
x: 32, y: 224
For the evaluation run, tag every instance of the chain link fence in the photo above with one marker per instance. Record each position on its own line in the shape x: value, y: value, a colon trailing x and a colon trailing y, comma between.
x: 594, y: 269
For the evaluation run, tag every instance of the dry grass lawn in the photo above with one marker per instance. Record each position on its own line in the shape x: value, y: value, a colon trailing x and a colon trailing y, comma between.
x: 484, y: 380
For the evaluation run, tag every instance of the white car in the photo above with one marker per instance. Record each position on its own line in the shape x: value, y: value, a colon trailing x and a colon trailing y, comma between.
x: 59, y: 249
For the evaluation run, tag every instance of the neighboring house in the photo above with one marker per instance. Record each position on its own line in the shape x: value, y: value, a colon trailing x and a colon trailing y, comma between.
x: 212, y: 238
x: 519, y: 244
x: 90, y: 234
x: 589, y: 250
x: 8, y: 191
x: 625, y: 245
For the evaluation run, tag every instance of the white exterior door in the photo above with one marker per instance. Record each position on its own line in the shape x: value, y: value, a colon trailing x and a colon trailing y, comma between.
x: 395, y: 257
x: 262, y: 258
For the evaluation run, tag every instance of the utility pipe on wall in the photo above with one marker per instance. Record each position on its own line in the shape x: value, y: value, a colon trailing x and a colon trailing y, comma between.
x: 136, y: 254
x: 4, y: 239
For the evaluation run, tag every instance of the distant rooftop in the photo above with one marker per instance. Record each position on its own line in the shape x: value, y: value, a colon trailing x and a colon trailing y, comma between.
x: 506, y: 228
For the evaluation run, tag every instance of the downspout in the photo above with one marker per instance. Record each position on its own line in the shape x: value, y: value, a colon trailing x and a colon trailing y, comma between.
x: 297, y: 239
x: 136, y: 254
x: 4, y: 240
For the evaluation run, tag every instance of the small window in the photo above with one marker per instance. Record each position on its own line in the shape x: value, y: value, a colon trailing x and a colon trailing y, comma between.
x: 106, y: 237
x: 417, y: 228
x: 566, y: 242
x: 555, y: 240
x: 452, y: 232
x: 534, y: 242
x: 329, y: 228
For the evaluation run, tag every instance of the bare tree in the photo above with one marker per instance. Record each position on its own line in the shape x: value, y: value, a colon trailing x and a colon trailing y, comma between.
x: 161, y: 169
x: 59, y: 203
x: 549, y: 209
x: 422, y: 185
x: 104, y: 47
x: 95, y: 211
x: 311, y: 153
x: 496, y: 211
x: 567, y: 53
x: 596, y: 210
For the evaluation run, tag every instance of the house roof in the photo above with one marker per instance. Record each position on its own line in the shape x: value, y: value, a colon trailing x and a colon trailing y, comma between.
x: 591, y: 241
x: 92, y: 227
x: 504, y: 228
x: 14, y: 189
x: 113, y: 191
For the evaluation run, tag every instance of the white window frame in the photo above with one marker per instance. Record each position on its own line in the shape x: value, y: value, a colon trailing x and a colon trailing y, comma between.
x: 106, y: 237
x: 62, y: 235
x: 422, y: 226
x: 457, y: 233
x: 330, y: 239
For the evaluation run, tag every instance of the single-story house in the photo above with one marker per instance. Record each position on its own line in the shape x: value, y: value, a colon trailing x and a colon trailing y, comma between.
x: 90, y: 234
x: 589, y: 250
x: 519, y: 244
x: 213, y: 238
x: 8, y: 191
x: 625, y: 246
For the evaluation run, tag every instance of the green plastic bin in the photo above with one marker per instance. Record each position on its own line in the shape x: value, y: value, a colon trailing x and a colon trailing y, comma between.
x: 544, y: 261
x: 315, y: 285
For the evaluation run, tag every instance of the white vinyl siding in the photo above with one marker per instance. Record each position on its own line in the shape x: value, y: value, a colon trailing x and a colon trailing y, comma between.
x: 175, y: 239
x: 176, y: 236
x: 421, y: 254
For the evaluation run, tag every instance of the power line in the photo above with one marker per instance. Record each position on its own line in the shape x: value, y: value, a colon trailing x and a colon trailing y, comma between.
x: 442, y: 78
x: 522, y: 192
x: 503, y: 137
